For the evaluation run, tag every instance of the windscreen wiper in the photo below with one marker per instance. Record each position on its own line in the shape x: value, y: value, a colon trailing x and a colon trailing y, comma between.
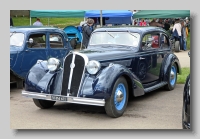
x: 110, y: 34
x: 131, y: 33
x: 13, y: 33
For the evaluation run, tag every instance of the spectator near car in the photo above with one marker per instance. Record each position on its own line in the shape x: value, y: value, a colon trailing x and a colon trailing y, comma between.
x: 143, y: 23
x: 155, y: 24
x: 37, y: 22
x: 176, y: 32
x: 86, y: 31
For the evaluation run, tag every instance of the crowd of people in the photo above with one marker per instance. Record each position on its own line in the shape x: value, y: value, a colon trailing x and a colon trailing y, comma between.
x: 176, y: 28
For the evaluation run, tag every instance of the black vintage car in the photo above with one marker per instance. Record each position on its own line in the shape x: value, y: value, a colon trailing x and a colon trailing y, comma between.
x: 186, y: 103
x: 119, y: 62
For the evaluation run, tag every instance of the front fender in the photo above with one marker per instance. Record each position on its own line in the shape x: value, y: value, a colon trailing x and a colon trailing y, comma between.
x: 38, y: 78
x: 101, y: 85
x: 166, y: 66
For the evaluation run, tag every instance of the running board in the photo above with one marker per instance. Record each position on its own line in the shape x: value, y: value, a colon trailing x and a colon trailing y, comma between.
x: 152, y: 88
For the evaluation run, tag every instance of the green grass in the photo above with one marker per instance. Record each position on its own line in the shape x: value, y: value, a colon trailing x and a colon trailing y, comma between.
x: 57, y: 22
x: 182, y: 78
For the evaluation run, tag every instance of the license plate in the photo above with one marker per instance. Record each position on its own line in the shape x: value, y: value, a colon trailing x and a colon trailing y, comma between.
x: 59, y: 98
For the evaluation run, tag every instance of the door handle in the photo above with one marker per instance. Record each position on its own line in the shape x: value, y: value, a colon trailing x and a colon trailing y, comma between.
x: 142, y: 58
x: 27, y: 50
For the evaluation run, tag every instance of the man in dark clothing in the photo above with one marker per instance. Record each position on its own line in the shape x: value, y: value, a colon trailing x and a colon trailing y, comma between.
x: 11, y: 21
x: 87, y: 30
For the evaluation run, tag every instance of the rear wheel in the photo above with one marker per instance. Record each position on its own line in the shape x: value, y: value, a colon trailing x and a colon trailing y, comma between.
x: 43, y: 104
x: 116, y: 104
x: 73, y: 43
x: 177, y: 46
x: 172, y: 78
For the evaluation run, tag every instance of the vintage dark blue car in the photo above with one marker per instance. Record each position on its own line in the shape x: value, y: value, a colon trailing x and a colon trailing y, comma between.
x: 30, y: 43
x: 186, y: 104
x: 120, y: 62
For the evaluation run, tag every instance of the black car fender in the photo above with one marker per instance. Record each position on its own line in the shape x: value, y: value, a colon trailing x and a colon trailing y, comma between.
x: 101, y: 85
x: 38, y: 77
x: 166, y: 66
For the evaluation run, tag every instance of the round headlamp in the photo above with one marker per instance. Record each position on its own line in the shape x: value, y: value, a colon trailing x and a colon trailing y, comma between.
x: 93, y: 67
x: 53, y: 64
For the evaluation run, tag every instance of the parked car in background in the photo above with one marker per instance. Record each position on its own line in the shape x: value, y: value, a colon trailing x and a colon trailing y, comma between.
x: 29, y: 44
x: 186, y: 103
x: 120, y: 62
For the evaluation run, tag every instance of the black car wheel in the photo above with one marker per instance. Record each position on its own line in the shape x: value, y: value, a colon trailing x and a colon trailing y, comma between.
x: 177, y: 46
x: 172, y: 78
x: 116, y: 104
x: 73, y: 43
x: 43, y: 104
x: 185, y: 100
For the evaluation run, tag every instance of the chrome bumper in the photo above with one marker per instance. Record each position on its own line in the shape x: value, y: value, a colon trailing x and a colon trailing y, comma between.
x: 68, y: 99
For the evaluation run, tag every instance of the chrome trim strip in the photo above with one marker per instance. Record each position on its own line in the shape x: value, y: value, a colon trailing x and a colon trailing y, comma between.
x: 86, y: 62
x: 70, y: 75
x: 68, y: 99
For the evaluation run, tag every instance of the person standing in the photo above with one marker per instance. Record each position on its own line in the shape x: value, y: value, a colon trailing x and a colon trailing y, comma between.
x: 143, y: 23
x: 184, y: 36
x: 167, y: 26
x: 87, y: 31
x: 37, y: 22
x: 176, y: 32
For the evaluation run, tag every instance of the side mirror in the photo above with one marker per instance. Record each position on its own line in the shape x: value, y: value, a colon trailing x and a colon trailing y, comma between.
x: 30, y: 41
x: 189, y: 53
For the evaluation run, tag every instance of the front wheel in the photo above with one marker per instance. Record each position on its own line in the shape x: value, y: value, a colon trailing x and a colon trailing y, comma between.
x: 172, y: 78
x: 43, y: 104
x: 116, y: 104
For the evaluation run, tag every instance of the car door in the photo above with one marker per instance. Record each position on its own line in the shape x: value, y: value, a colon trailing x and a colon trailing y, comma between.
x: 58, y: 47
x: 148, y: 68
x: 34, y: 51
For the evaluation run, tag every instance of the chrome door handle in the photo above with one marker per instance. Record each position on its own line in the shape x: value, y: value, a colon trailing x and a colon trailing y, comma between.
x: 141, y: 58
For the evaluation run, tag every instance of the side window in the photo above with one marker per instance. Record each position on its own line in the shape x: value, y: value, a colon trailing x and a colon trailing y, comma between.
x: 150, y: 41
x: 164, y: 42
x: 56, y: 41
x: 38, y: 41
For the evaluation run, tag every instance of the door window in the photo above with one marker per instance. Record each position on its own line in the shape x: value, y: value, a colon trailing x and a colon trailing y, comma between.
x: 56, y: 41
x: 164, y: 42
x: 150, y: 41
x: 37, y: 41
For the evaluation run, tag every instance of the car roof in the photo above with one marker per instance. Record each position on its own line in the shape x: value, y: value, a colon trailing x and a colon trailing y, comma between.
x: 32, y: 28
x: 138, y: 29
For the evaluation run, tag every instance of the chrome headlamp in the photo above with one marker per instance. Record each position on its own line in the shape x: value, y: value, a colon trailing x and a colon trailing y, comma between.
x: 93, y: 67
x: 53, y: 64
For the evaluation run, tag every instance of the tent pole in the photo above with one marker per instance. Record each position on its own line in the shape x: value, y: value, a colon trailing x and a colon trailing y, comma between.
x: 101, y: 17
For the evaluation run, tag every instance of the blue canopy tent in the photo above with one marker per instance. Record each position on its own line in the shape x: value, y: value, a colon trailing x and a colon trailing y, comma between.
x: 112, y: 16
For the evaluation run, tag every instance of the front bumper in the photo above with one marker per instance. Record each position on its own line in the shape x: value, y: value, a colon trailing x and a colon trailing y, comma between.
x: 68, y: 99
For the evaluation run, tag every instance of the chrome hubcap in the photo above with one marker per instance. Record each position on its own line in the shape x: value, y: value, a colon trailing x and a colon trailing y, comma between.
x: 119, y: 96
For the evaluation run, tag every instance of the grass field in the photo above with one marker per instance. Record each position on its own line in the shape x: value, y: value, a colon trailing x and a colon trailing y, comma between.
x: 57, y: 22
x: 182, y: 78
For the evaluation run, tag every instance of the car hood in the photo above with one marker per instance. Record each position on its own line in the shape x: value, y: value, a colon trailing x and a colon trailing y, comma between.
x: 106, y: 55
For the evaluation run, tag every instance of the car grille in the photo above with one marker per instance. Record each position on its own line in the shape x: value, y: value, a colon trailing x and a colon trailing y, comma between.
x: 71, y: 85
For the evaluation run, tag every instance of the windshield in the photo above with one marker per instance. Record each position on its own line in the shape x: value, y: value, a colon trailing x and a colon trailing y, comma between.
x: 16, y: 39
x: 120, y: 38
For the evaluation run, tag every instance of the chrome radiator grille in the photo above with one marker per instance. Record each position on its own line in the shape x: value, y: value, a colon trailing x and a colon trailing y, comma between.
x: 74, y: 67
